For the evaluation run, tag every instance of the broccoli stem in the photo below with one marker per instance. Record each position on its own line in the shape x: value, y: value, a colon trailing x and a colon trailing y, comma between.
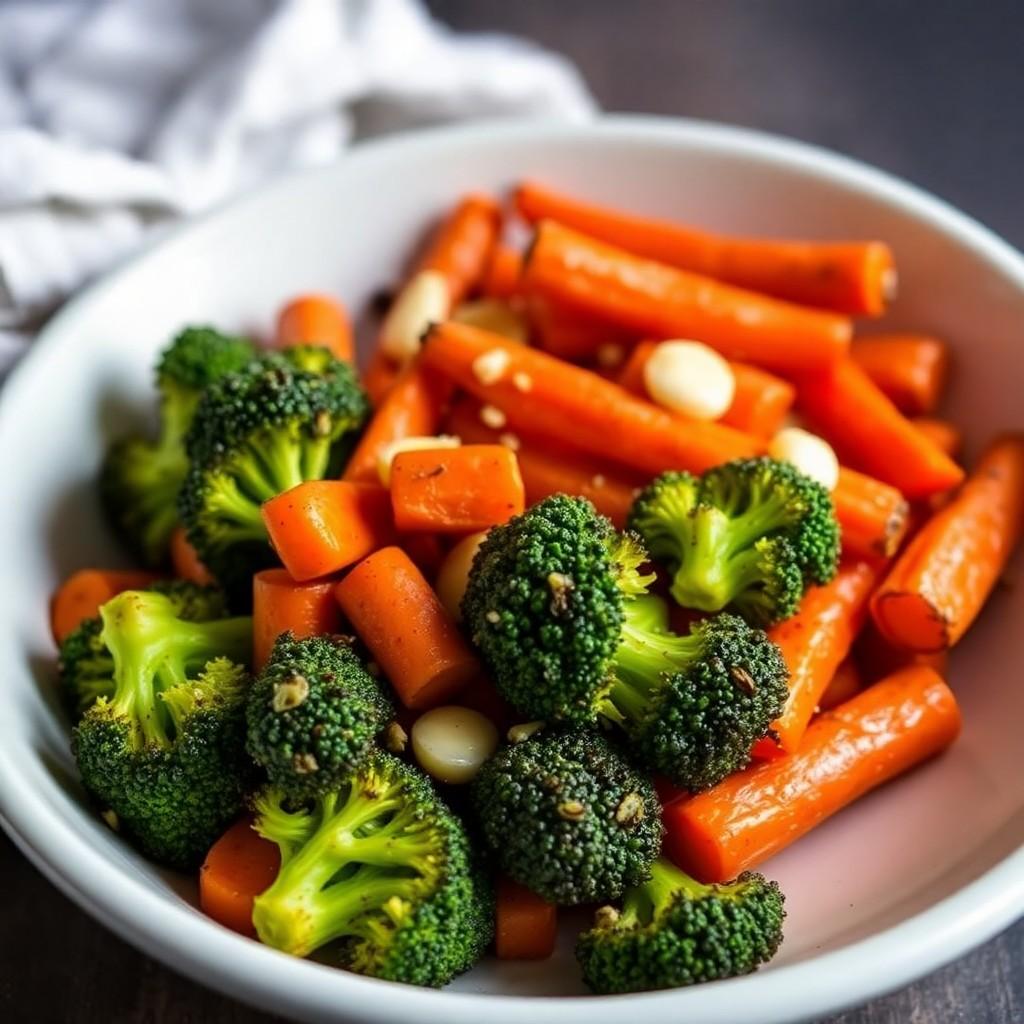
x: 646, y: 901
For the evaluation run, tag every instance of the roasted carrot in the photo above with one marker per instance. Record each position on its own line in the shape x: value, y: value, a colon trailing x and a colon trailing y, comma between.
x: 877, y: 658
x: 501, y: 278
x: 456, y: 490
x: 571, y: 334
x: 760, y: 401
x: 845, y: 685
x: 659, y: 301
x: 551, y: 398
x: 412, y: 408
x: 79, y: 597
x: 239, y: 866
x: 815, y: 641
x: 883, y: 731
x: 425, y: 550
x: 525, y: 925
x: 548, y: 470
x: 379, y: 376
x: 874, y: 516
x: 316, y: 320
x: 404, y: 625
x: 321, y: 526
x: 910, y: 369
x: 185, y: 562
x: 944, y: 435
x: 461, y: 249
x: 850, y: 277
x: 939, y: 584
x: 280, y: 605
x: 871, y: 434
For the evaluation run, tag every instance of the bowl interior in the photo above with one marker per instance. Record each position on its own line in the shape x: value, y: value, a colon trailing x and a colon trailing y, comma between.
x: 349, y: 230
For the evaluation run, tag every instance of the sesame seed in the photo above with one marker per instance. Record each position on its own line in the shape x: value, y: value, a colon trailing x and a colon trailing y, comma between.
x: 522, y: 381
x: 510, y: 441
x: 492, y: 617
x: 489, y: 366
x: 491, y: 416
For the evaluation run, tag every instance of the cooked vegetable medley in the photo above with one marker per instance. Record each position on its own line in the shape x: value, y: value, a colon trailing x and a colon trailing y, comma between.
x: 620, y: 566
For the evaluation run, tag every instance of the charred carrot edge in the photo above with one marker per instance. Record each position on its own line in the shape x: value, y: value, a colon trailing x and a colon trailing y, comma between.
x: 910, y: 369
x: 874, y: 517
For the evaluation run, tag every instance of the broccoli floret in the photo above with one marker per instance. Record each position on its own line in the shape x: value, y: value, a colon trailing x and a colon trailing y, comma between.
x: 140, y: 478
x: 557, y: 606
x: 285, y: 418
x: 381, y: 866
x: 753, y: 534
x: 674, y: 931
x: 567, y: 816
x: 166, y: 750
x: 86, y: 666
x: 313, y: 713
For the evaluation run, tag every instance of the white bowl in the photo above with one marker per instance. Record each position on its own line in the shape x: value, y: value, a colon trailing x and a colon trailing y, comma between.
x: 909, y: 878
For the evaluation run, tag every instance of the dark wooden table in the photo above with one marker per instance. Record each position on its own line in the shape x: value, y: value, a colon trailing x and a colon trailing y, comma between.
x: 932, y: 91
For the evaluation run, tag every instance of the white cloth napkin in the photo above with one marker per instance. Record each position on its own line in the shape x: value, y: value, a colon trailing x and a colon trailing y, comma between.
x: 118, y: 116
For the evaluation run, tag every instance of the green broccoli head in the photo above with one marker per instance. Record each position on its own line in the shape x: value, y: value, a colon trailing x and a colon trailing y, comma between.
x: 673, y: 931
x: 382, y: 867
x: 567, y: 816
x: 285, y: 418
x: 166, y: 750
x: 140, y: 478
x: 313, y: 713
x: 753, y: 533
x: 86, y: 666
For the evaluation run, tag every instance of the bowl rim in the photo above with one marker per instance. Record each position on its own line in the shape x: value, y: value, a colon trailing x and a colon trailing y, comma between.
x: 182, y: 937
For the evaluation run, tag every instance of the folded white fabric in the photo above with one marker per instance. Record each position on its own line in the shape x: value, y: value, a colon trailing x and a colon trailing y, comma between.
x: 118, y: 116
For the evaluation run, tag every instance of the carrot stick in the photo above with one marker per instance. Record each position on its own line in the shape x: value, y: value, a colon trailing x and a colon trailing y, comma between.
x: 456, y: 490
x: 404, y: 625
x: 845, y: 685
x: 815, y: 641
x: 759, y: 404
x: 526, y: 925
x: 874, y: 516
x: 752, y: 815
x: 572, y: 334
x: 412, y: 408
x: 910, y: 369
x: 461, y: 249
x: 321, y: 526
x: 185, y: 562
x: 239, y: 866
x: 280, y: 605
x: 501, y: 278
x: 850, y: 277
x: 379, y: 376
x: 79, y: 597
x: 940, y: 582
x: 553, y: 399
x: 316, y: 320
x: 546, y: 471
x: 871, y: 434
x: 659, y: 301
x: 944, y: 435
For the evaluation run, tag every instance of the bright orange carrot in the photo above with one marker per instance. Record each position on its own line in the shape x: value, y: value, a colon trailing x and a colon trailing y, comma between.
x: 845, y: 685
x: 546, y: 470
x: 525, y: 925
x: 944, y: 435
x: 883, y: 731
x: 379, y: 376
x: 871, y: 434
x: 456, y: 490
x: 850, y: 277
x: 501, y: 278
x: 910, y: 369
x: 571, y: 334
x: 874, y: 516
x: 321, y: 526
x: 939, y: 584
x: 551, y: 398
x: 462, y: 248
x: 659, y: 301
x: 815, y: 641
x: 79, y: 597
x: 281, y: 605
x: 316, y: 320
x: 408, y: 632
x: 185, y: 562
x: 759, y: 404
x: 411, y: 408
x: 239, y: 866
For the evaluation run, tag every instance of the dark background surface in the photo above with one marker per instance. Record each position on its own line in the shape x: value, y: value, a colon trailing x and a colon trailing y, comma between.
x: 931, y: 91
